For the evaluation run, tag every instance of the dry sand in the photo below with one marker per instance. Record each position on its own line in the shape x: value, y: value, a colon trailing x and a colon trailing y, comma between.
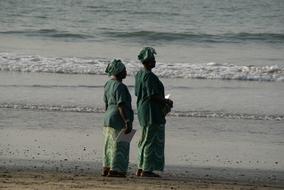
x: 52, y: 180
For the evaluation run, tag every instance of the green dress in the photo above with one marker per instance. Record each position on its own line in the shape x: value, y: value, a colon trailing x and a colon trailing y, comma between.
x: 152, y: 120
x: 116, y: 154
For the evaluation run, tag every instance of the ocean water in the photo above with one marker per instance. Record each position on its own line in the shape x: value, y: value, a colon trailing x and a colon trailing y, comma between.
x: 222, y: 61
x: 222, y: 39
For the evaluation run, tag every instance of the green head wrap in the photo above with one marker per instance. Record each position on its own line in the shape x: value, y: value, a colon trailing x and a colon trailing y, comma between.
x: 115, y: 67
x: 147, y: 54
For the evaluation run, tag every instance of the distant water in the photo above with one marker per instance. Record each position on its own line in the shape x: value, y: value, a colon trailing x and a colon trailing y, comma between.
x: 222, y: 39
x: 182, y: 21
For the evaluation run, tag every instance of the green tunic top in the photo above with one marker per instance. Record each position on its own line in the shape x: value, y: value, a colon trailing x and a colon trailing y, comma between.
x: 115, y: 93
x: 147, y: 84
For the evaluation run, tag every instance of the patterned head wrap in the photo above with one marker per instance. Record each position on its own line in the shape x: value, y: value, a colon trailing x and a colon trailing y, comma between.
x: 147, y: 54
x: 115, y: 67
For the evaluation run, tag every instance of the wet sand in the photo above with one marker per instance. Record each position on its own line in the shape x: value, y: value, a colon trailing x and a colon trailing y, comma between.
x: 44, y: 181
x: 62, y: 149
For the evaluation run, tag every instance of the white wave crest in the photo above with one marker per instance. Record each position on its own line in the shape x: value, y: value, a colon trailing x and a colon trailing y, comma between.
x: 221, y: 71
x: 75, y: 65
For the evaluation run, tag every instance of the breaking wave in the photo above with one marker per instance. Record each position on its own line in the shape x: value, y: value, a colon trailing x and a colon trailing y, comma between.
x: 75, y: 65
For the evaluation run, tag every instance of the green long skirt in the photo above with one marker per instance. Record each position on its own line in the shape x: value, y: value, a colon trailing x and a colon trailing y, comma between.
x: 151, y: 148
x: 116, y: 154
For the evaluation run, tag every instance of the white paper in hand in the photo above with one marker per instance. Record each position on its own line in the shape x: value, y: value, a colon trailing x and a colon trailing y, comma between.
x: 167, y: 96
x: 122, y: 137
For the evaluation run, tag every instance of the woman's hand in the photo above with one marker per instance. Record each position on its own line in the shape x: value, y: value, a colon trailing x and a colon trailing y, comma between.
x: 169, y: 102
x: 167, y: 106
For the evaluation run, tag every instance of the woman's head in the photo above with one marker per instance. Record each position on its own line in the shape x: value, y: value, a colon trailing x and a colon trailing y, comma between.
x: 122, y: 74
x: 147, y: 57
x: 116, y: 68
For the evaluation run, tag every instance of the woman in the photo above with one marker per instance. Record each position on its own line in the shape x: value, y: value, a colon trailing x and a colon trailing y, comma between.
x: 118, y: 116
x: 152, y: 108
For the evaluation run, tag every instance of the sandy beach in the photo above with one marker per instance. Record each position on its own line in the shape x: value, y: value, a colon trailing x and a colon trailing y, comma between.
x: 70, y: 158
x: 51, y: 180
x: 51, y: 138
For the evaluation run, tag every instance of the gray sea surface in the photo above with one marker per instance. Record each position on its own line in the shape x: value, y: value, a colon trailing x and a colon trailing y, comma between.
x: 238, y: 32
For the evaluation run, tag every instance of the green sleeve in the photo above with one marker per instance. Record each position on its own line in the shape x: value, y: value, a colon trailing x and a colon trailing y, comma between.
x: 120, y: 94
x: 152, y: 85
x: 136, y: 85
x: 105, y: 98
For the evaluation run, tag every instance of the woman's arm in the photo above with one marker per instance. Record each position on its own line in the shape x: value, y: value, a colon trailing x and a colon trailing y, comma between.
x: 157, y: 98
x: 122, y: 112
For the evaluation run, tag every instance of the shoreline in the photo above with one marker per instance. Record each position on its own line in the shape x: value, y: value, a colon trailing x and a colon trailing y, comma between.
x: 246, y: 154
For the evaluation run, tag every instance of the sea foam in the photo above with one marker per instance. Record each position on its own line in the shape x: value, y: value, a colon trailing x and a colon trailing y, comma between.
x: 76, y: 65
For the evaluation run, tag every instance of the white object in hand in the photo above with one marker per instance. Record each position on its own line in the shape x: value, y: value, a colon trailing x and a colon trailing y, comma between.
x: 122, y: 137
x: 167, y: 96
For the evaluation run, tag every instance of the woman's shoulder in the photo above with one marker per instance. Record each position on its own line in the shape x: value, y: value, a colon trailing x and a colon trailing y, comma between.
x: 120, y: 84
x: 146, y: 75
x: 115, y: 85
x: 151, y: 76
x: 109, y: 82
x: 112, y: 84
